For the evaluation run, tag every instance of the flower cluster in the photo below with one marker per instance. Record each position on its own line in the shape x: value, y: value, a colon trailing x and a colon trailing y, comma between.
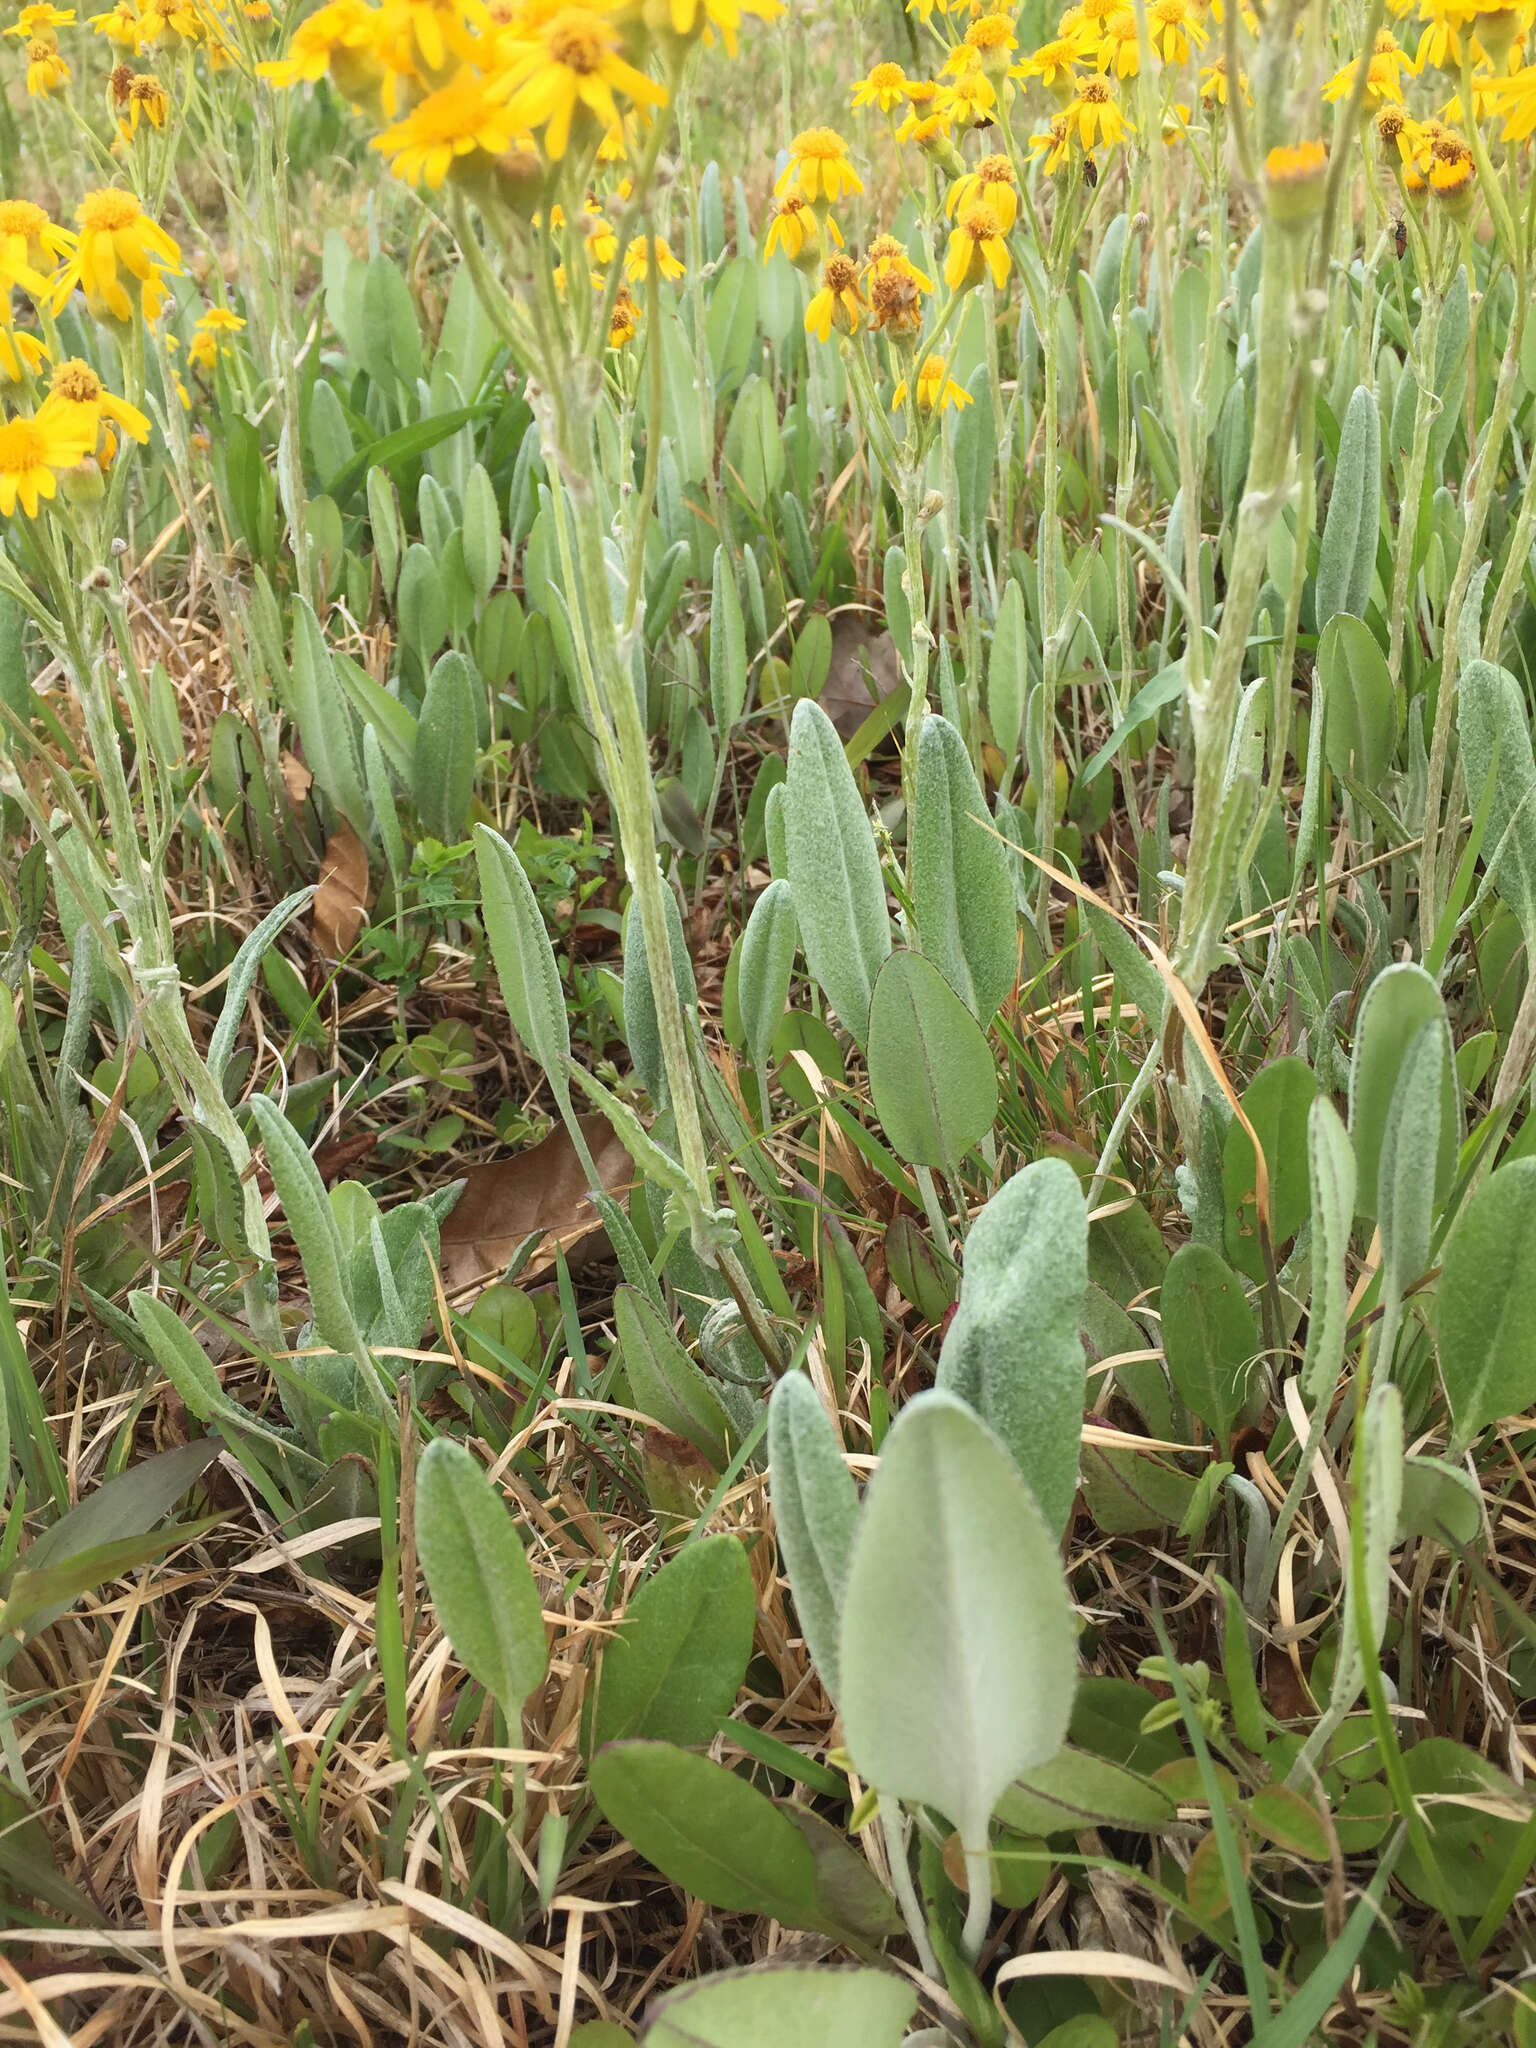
x: 493, y: 96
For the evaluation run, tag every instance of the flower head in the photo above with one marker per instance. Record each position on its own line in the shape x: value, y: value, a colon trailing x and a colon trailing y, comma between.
x: 839, y: 303
x: 77, y: 387
x: 1294, y: 175
x: 885, y: 88
x: 1094, y: 115
x: 120, y: 24
x: 896, y: 287
x: 457, y: 121
x: 637, y: 259
x: 40, y: 19
x: 624, y: 320
x: 22, y: 355
x: 116, y: 235
x: 936, y: 389
x: 30, y: 245
x: 687, y: 19
x: 46, y: 69
x: 35, y: 451
x: 145, y: 100
x: 1055, y: 60
x: 819, y: 167
x: 567, y: 66
x: 1173, y: 29
x: 992, y: 180
x: 796, y: 230
x: 211, y: 335
x: 976, y: 249
x: 1119, y: 50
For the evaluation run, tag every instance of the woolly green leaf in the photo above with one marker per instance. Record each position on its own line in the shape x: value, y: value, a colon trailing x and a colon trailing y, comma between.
x: 815, y: 1511
x: 962, y: 888
x: 478, y: 1575
x: 833, y: 869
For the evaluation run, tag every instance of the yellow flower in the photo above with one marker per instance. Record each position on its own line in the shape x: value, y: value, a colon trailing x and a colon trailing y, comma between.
x: 209, y: 336
x: 896, y: 287
x: 1095, y: 113
x: 885, y: 88
x: 936, y: 390
x: 120, y: 24
x: 1440, y: 43
x: 29, y: 245
x: 1056, y: 60
x: 1119, y: 51
x: 1382, y: 83
x: 794, y: 229
x: 114, y: 230
x: 39, y: 19
x: 146, y: 101
x: 976, y: 248
x: 637, y: 259
x: 818, y: 167
x: 992, y: 180
x: 991, y: 39
x: 455, y: 122
x: 77, y: 387
x: 1173, y: 30
x: 170, y: 21
x: 970, y: 98
x: 569, y: 64
x: 838, y: 303
x: 624, y: 320
x: 1216, y: 87
x: 337, y: 36
x: 46, y: 69
x: 686, y: 19
x: 22, y: 355
x: 1515, y: 98
x: 34, y: 451
x: 1293, y: 177
x: 1054, y: 144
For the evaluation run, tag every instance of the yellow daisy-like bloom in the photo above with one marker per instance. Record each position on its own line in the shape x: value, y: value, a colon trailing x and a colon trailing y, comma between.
x: 40, y: 19
x: 1515, y: 99
x: 1119, y: 50
x: 1095, y: 115
x: 624, y: 320
x: 146, y: 100
x: 637, y: 259
x: 1054, y: 144
x: 976, y: 249
x: 46, y: 69
x: 172, y: 22
x: 77, y: 386
x: 936, y: 389
x: 602, y: 242
x: 457, y: 121
x: 1395, y: 132
x: 819, y: 167
x: 885, y: 88
x: 686, y: 19
x: 970, y: 98
x: 116, y: 232
x: 30, y: 244
x: 839, y: 303
x: 341, y: 30
x: 992, y: 180
x: 1484, y: 102
x: 1382, y: 83
x: 896, y: 287
x: 1294, y: 175
x: 1440, y: 44
x: 22, y: 355
x: 566, y: 64
x: 795, y: 229
x: 991, y: 41
x: 258, y: 13
x: 1174, y: 30
x: 1056, y: 59
x: 211, y: 336
x: 929, y: 131
x: 120, y: 24
x: 35, y: 451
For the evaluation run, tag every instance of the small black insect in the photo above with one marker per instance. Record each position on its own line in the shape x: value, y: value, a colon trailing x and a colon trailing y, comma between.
x: 1090, y: 173
x: 1400, y: 238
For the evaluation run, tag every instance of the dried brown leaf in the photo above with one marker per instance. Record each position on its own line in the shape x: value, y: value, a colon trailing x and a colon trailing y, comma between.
x: 341, y: 902
x: 296, y: 779
x: 541, y: 1189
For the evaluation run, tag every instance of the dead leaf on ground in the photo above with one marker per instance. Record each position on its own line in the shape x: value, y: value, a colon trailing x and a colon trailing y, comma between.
x: 341, y: 901
x: 861, y: 642
x: 544, y: 1189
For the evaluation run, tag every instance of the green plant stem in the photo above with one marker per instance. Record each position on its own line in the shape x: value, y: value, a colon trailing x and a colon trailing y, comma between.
x: 906, y: 1890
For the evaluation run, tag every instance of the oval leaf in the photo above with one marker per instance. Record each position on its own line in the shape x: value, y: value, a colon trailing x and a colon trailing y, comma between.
x: 478, y: 1575
x: 675, y: 1664
x: 931, y: 1071
x: 833, y: 869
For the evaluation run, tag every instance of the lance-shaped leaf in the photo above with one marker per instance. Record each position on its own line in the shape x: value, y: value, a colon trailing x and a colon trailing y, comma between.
x: 931, y: 1072
x: 1487, y: 1303
x: 478, y: 1575
x: 959, y: 1646
x: 815, y: 1512
x: 767, y: 960
x: 833, y: 869
x: 962, y: 888
x: 524, y: 959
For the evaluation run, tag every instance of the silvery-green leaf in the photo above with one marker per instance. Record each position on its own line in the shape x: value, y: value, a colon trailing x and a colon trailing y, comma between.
x: 642, y: 1033
x: 768, y: 947
x: 1486, y: 1319
x: 962, y: 890
x: 1014, y: 1350
x: 784, y: 2007
x: 959, y: 1647
x: 727, y: 646
x: 1496, y: 741
x: 313, y: 1225
x: 478, y: 1575
x: 1346, y: 561
x: 833, y: 869
x: 815, y: 1511
x: 1398, y: 1002
x: 1331, y: 1164
x: 524, y: 957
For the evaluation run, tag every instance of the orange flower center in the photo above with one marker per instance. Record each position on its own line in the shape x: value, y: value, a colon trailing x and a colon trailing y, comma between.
x: 1095, y: 92
x: 824, y: 144
x: 577, y: 40
x: 980, y: 223
x: 995, y: 170
x: 77, y: 382
x: 107, y: 213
